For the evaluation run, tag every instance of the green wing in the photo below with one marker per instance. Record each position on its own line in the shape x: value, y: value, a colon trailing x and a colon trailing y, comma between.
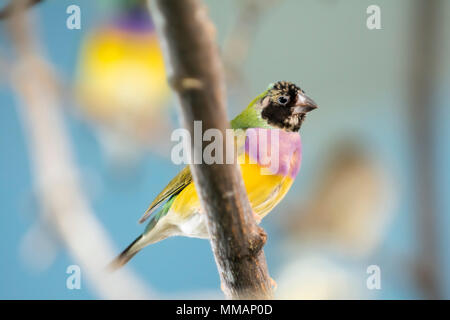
x: 181, y: 180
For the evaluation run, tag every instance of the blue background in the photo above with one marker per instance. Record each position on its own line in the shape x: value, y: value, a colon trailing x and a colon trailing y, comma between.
x: 357, y: 76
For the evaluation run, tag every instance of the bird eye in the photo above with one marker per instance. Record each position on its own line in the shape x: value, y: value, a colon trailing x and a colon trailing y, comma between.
x: 283, y: 100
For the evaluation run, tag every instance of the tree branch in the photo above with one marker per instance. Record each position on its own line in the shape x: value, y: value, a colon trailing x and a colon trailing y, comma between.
x: 8, y: 10
x: 424, y: 65
x: 196, y: 75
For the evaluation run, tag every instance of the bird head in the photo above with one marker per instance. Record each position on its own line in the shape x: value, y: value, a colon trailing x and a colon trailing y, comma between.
x: 284, y: 105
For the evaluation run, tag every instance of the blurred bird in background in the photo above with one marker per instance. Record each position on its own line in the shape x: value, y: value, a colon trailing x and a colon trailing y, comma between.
x: 344, y: 219
x: 349, y: 208
x: 121, y: 82
x: 282, y: 107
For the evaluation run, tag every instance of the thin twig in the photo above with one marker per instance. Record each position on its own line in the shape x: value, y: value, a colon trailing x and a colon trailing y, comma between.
x: 197, y: 77
x: 64, y: 205
x: 8, y: 10
x: 423, y: 75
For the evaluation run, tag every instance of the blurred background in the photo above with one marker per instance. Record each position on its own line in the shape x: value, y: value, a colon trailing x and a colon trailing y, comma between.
x: 374, y: 184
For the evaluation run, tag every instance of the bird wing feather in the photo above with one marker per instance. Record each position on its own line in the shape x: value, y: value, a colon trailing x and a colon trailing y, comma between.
x: 183, y: 179
x: 175, y: 186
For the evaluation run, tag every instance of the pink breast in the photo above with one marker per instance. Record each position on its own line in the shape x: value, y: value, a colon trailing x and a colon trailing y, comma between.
x: 276, y: 149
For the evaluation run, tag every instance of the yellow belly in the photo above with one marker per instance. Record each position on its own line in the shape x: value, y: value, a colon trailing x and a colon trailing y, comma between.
x: 264, y: 191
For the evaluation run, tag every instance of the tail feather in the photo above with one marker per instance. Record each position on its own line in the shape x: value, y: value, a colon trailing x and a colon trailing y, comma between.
x: 126, y: 255
x: 151, y: 237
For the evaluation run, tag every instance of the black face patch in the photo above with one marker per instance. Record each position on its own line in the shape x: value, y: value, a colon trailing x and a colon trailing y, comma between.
x: 279, y: 110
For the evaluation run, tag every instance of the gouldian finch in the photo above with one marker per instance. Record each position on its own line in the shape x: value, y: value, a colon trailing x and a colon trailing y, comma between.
x: 121, y: 80
x: 282, y: 107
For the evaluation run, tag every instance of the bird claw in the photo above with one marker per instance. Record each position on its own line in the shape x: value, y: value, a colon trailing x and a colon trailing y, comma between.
x: 222, y: 287
x: 273, y: 284
x: 257, y: 217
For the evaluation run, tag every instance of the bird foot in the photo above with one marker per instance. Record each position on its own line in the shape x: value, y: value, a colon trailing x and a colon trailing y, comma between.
x: 257, y: 217
x: 274, y: 284
x: 222, y: 287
